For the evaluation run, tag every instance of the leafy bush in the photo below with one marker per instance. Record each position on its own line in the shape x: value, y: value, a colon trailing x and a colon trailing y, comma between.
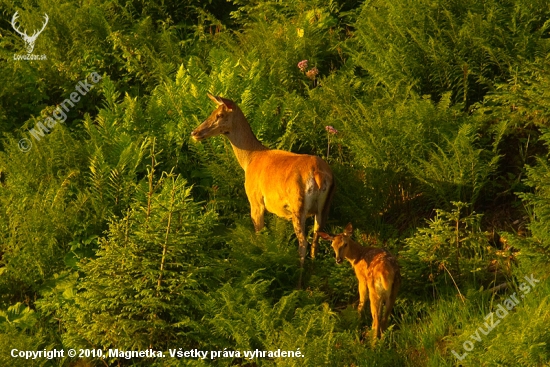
x: 143, y: 286
x: 453, y: 245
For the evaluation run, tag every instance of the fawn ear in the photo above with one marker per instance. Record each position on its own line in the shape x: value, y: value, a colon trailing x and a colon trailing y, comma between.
x: 348, y: 230
x: 325, y: 236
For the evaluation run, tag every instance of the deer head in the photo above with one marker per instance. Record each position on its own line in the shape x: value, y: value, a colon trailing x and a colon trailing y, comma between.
x: 29, y: 40
x: 339, y: 242
x: 219, y: 122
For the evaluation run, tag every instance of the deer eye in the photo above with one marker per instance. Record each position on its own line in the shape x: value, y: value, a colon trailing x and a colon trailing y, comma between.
x: 219, y: 115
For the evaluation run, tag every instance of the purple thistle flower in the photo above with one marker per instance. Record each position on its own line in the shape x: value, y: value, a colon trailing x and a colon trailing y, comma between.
x: 302, y: 65
x: 331, y: 130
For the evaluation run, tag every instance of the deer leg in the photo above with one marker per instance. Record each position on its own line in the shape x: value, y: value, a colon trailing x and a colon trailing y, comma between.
x: 375, y: 303
x: 321, y: 217
x: 363, y: 295
x: 379, y: 314
x: 390, y: 301
x: 316, y: 228
x: 388, y: 305
x: 299, y: 223
x: 257, y: 210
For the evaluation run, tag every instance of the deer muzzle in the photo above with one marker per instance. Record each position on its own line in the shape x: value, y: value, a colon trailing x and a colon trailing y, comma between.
x: 197, y: 135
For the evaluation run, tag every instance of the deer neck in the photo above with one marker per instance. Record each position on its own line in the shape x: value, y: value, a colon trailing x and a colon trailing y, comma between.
x: 355, y: 252
x: 243, y: 140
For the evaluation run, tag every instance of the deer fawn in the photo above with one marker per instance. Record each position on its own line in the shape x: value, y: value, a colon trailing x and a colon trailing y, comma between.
x: 377, y: 271
x: 289, y: 185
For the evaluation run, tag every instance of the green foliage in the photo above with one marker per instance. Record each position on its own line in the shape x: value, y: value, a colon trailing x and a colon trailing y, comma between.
x: 439, y: 46
x: 19, y: 316
x: 459, y: 171
x: 144, y: 280
x: 519, y: 338
x: 453, y: 245
x: 539, y: 202
x: 42, y: 209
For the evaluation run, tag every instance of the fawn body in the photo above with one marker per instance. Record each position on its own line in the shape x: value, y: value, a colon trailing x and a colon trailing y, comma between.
x: 377, y: 272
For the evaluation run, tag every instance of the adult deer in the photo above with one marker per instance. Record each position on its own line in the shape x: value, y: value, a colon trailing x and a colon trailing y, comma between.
x: 29, y: 40
x: 289, y: 185
x: 377, y: 271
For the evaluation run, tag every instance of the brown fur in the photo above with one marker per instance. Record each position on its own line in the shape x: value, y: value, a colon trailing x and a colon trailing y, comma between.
x: 289, y: 185
x: 378, y: 274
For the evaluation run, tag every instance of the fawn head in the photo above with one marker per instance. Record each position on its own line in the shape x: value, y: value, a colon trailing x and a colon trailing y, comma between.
x: 340, y: 242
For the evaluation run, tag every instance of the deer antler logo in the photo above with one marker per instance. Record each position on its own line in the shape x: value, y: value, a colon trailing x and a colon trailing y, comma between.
x: 29, y: 40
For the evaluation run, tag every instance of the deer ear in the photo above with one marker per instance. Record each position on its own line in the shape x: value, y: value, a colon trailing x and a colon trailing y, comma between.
x: 215, y: 99
x: 229, y: 104
x: 349, y: 230
x: 325, y: 236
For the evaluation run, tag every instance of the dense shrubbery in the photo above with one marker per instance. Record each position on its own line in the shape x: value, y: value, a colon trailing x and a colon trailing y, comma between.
x: 116, y: 231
